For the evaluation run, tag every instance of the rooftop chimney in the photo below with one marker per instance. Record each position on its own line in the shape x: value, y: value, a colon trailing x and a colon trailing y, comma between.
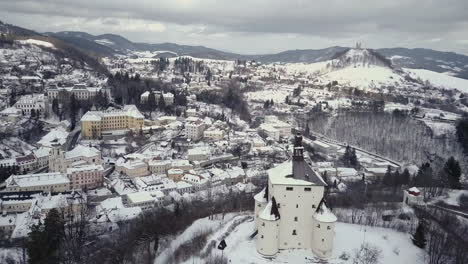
x: 298, y: 154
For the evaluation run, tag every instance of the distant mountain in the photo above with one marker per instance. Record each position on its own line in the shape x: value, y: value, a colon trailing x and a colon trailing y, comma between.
x: 15, y: 30
x: 304, y: 56
x: 110, y: 44
x: 448, y: 62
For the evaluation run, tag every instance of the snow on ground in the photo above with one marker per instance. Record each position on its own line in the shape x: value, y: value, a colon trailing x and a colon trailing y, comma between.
x: 440, y: 128
x: 104, y: 42
x: 440, y: 79
x: 396, y: 247
x: 278, y: 96
x: 364, y: 77
x: 10, y: 254
x: 452, y: 197
x: 59, y: 133
x: 201, y: 224
x: 308, y: 68
x: 37, y: 43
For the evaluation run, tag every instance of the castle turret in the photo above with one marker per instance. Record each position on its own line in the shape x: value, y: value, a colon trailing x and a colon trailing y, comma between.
x: 323, y: 232
x: 268, y: 229
x: 261, y: 200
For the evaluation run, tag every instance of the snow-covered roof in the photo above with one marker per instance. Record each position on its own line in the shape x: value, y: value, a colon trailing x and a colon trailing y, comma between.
x: 266, y: 214
x: 260, y: 197
x: 31, y: 180
x: 140, y: 197
x: 91, y: 167
x: 57, y: 135
x: 324, y: 215
x: 282, y: 174
x: 42, y: 152
x: 82, y: 151
x: 128, y: 110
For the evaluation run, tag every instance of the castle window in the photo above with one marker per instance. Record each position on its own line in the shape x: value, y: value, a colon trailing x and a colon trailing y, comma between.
x: 318, y: 226
x: 297, y: 206
x: 289, y: 188
x: 294, y: 233
x: 262, y: 236
x: 307, y: 189
x: 263, y: 224
x: 323, y: 240
x: 313, y: 206
x: 295, y: 218
x: 328, y: 228
x: 278, y: 205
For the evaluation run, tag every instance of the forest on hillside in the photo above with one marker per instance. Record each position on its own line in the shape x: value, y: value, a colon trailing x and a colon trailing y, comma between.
x: 398, y: 137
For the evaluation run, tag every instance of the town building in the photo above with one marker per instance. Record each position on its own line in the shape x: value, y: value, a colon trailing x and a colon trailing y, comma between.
x: 214, y: 134
x: 168, y: 97
x: 86, y: 176
x: 142, y: 199
x: 132, y: 168
x: 290, y: 213
x: 95, y: 124
x: 80, y: 91
x: 194, y: 130
x: 413, y: 196
x: 30, y: 102
x: 42, y: 182
x: 60, y: 161
x: 198, y: 154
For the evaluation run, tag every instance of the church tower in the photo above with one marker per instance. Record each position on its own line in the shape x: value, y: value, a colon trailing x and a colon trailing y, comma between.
x: 57, y: 158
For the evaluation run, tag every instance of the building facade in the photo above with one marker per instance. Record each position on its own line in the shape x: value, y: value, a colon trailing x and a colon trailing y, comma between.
x: 94, y: 123
x: 43, y: 182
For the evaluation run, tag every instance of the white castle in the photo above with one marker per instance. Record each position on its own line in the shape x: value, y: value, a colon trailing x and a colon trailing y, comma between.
x: 291, y: 211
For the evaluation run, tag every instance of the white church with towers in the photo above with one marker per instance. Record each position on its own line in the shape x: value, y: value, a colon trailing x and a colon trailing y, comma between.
x: 291, y: 213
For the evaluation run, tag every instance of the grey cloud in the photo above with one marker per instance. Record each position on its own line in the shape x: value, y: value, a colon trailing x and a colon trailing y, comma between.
x: 410, y: 20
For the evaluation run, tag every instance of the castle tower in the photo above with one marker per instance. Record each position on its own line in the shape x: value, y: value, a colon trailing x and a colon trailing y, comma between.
x: 268, y: 229
x: 323, y: 232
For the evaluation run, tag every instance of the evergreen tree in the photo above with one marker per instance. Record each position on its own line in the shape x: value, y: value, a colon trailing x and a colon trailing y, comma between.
x: 388, y: 177
x: 161, y: 103
x: 424, y: 176
x: 151, y: 103
x: 405, y: 177
x: 307, y: 130
x: 452, y: 172
x: 419, y: 237
x: 45, y: 240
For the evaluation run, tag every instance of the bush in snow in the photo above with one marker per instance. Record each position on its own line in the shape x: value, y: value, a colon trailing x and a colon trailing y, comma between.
x: 367, y: 254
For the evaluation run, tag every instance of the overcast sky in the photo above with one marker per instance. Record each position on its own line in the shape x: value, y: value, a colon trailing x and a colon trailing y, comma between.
x: 255, y: 26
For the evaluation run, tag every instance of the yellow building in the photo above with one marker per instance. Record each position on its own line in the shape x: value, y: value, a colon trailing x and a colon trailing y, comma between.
x: 95, y: 124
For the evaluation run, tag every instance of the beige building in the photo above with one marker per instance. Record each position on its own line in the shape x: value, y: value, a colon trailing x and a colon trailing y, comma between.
x: 132, y: 168
x: 44, y: 182
x: 159, y: 166
x: 214, y: 134
x: 87, y: 176
x: 15, y: 205
x: 96, y: 123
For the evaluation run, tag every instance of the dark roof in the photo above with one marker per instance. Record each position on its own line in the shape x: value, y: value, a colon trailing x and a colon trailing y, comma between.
x: 303, y: 171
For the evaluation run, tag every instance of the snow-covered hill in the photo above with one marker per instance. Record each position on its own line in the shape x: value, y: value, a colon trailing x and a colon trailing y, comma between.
x: 366, y: 69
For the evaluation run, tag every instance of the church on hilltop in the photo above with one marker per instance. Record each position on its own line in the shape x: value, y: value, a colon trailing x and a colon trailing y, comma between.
x: 291, y: 211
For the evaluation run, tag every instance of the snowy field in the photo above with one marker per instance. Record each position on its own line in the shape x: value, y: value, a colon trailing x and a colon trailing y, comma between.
x: 440, y: 79
x: 396, y: 247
